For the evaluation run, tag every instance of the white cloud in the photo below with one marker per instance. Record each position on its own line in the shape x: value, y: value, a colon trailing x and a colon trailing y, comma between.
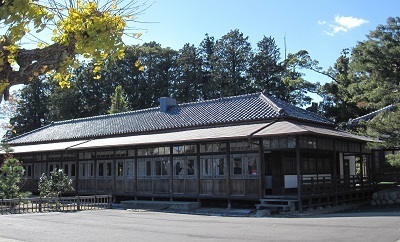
x: 321, y: 22
x: 343, y: 24
x: 349, y: 22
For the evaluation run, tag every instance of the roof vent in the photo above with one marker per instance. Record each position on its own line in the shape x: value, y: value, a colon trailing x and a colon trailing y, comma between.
x: 166, y: 103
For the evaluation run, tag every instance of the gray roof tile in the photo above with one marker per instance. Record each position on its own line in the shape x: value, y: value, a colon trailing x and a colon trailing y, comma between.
x: 242, y: 108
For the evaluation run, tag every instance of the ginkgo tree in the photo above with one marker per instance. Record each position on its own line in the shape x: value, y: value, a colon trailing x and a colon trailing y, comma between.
x: 79, y: 29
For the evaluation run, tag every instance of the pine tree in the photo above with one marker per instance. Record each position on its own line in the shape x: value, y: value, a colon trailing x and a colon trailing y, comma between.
x: 118, y: 101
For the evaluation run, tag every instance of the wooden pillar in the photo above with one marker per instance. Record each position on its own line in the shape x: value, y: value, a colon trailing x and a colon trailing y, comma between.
x: 335, y: 174
x: 298, y: 169
x: 136, y: 172
x: 261, y: 169
x: 171, y: 170
x: 77, y: 180
x: 198, y: 171
x: 228, y: 170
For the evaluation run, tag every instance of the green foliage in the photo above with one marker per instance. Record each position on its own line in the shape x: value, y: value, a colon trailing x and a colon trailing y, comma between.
x: 375, y: 64
x: 231, y: 62
x: 393, y: 159
x: 118, y: 101
x: 11, y: 179
x: 31, y: 108
x: 386, y: 127
x: 55, y: 185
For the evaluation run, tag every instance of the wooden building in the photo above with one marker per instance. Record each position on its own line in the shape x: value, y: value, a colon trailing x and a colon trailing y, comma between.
x: 243, y: 148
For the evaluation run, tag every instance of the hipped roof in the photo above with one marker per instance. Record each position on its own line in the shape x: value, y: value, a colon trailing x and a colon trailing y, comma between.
x: 256, y: 107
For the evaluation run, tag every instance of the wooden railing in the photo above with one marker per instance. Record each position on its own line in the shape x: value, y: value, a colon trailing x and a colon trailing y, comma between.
x: 55, y: 204
x: 313, y: 185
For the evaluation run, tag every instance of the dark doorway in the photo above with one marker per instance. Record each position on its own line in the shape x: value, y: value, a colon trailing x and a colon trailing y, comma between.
x: 278, y: 177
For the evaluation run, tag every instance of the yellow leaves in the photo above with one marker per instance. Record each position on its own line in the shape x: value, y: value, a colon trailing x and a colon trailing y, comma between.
x: 97, y: 69
x: 63, y: 79
x: 137, y: 63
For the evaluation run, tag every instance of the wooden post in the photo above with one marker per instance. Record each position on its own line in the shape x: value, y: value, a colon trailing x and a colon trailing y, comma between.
x: 335, y: 176
x: 261, y: 168
x: 299, y: 175
x: 228, y: 170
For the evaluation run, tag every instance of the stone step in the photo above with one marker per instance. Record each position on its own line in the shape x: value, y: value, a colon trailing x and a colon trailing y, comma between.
x: 144, y: 204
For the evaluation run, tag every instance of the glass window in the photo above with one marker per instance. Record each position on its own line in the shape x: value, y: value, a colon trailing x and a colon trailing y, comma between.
x: 100, y: 166
x: 252, y: 166
x: 184, y: 166
x: 141, y: 168
x: 237, y: 164
x: 206, y: 166
x: 39, y: 169
x: 86, y: 169
x: 120, y: 168
x: 108, y: 169
x: 161, y: 167
x: 220, y: 165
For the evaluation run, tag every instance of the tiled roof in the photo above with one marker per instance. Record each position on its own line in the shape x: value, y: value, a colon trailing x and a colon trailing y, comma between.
x: 251, y: 107
x: 370, y: 116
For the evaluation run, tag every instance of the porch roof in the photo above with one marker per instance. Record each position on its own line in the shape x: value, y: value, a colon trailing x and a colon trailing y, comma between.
x: 256, y: 130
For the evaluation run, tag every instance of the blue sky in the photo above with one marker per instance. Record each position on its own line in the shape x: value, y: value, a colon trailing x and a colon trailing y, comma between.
x: 323, y: 28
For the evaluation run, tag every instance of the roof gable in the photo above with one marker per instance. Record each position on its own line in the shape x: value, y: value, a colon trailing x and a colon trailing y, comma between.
x: 244, y: 108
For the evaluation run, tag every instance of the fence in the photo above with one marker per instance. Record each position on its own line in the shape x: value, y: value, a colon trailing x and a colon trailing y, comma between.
x: 54, y: 204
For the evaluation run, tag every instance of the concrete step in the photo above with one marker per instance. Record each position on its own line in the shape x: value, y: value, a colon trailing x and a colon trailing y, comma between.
x: 144, y: 204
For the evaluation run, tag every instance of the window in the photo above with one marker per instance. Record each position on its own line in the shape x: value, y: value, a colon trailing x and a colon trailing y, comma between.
x: 161, y: 167
x: 153, y: 151
x: 184, y: 166
x: 244, y: 165
x: 54, y: 157
x: 184, y: 149
x: 104, y: 168
x: 213, y: 147
x: 213, y: 166
x: 54, y: 166
x: 69, y: 169
x: 150, y: 167
x: 243, y: 145
x: 39, y: 169
x: 142, y: 168
x: 27, y: 170
x: 86, y: 169
x: 252, y: 165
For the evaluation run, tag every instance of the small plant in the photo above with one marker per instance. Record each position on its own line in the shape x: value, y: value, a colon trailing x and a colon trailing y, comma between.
x: 11, y: 179
x: 55, y: 185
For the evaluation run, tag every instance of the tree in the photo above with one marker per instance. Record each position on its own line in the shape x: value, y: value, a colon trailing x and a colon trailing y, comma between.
x: 208, y: 83
x: 11, y: 179
x: 295, y: 88
x: 118, y: 101
x: 266, y: 69
x: 233, y: 52
x: 78, y: 29
x: 55, y: 185
x: 376, y: 66
x: 338, y: 103
x: 31, y: 109
x: 187, y: 86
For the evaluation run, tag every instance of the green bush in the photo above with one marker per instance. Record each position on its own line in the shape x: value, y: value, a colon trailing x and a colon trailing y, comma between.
x: 11, y: 179
x: 55, y: 185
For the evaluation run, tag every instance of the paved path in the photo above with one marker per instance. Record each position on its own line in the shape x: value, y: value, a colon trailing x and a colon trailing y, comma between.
x: 124, y: 225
